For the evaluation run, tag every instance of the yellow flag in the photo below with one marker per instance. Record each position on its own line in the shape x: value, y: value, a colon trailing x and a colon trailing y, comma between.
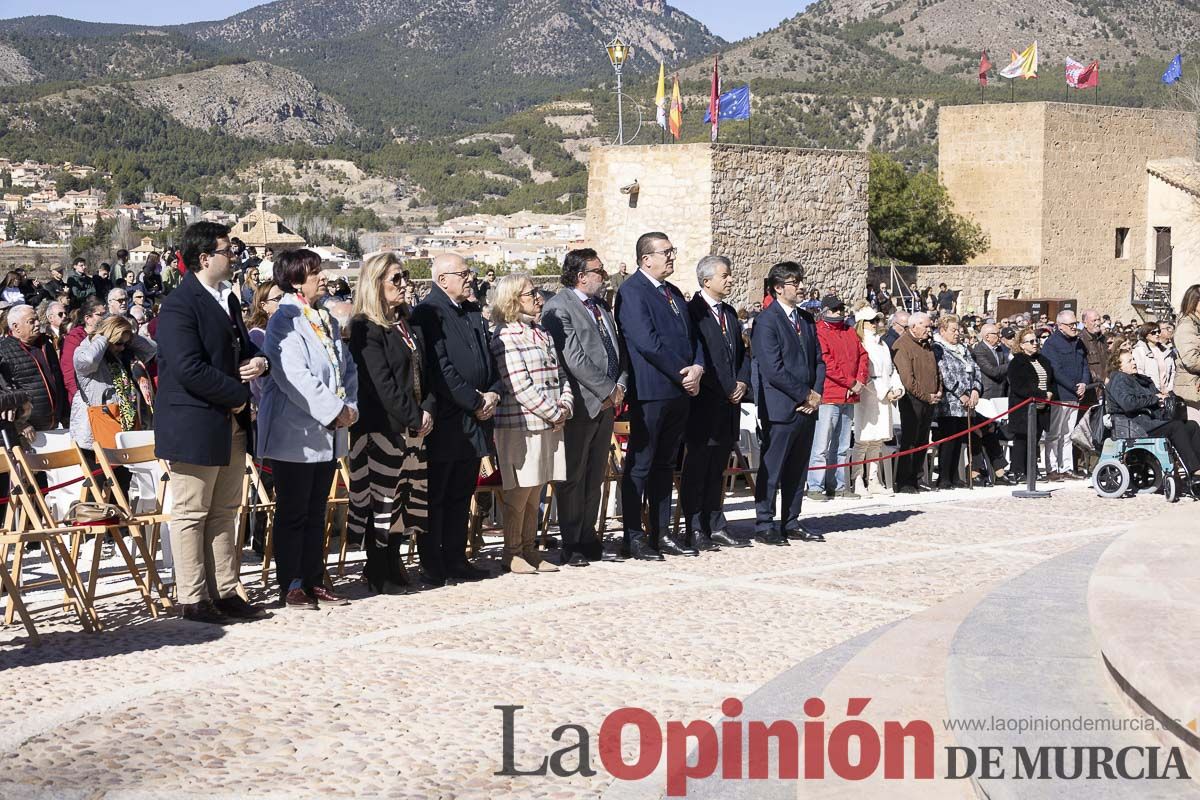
x: 1024, y: 65
x: 676, y: 119
x: 660, y: 98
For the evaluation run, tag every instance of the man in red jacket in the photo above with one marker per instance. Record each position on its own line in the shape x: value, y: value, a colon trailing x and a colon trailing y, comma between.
x: 847, y: 370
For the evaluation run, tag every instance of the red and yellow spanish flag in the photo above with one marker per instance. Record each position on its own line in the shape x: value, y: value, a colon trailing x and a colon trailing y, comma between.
x: 676, y: 117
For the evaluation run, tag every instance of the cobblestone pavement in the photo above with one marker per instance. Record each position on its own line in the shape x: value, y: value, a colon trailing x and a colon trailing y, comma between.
x: 393, y: 696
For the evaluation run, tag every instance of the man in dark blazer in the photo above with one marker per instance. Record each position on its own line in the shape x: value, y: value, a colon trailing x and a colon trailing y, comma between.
x: 715, y: 415
x: 585, y: 335
x: 466, y: 382
x: 206, y: 361
x: 791, y: 378
x: 667, y: 365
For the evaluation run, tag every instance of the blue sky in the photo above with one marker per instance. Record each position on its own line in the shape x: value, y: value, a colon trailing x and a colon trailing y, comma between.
x: 731, y: 20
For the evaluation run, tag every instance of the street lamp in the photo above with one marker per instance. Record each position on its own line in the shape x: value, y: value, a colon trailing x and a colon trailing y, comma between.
x: 618, y: 54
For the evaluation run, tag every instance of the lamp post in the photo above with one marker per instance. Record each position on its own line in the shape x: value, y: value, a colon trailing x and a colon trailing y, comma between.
x: 618, y: 54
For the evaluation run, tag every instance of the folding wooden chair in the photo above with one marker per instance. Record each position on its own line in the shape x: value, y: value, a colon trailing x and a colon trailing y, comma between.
x: 338, y: 501
x: 254, y: 486
x: 29, y: 526
x: 143, y: 528
x: 615, y: 471
x: 485, y: 485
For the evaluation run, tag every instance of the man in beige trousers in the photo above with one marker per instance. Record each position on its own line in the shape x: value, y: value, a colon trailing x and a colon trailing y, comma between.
x: 202, y: 425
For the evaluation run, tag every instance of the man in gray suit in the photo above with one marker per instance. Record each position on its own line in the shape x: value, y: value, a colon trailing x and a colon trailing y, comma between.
x: 585, y: 334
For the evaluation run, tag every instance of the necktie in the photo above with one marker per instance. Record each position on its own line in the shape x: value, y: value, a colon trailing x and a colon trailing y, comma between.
x: 610, y: 349
x: 795, y: 317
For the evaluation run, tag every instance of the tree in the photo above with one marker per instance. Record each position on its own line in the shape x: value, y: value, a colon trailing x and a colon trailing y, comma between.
x: 10, y: 227
x: 913, y: 217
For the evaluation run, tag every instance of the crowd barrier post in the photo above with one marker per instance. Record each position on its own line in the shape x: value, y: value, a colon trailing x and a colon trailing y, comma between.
x: 1031, y: 451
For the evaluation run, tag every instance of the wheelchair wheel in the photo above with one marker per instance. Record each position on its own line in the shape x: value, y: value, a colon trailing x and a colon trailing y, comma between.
x: 1145, y: 471
x: 1172, y: 488
x: 1111, y: 479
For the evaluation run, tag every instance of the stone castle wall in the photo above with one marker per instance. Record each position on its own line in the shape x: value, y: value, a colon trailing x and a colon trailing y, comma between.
x: 773, y: 204
x: 756, y: 205
x: 675, y: 186
x: 1051, y: 183
x: 979, y: 286
x: 990, y: 158
x: 1096, y: 182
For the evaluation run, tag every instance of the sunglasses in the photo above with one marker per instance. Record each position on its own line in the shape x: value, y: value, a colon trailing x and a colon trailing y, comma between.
x: 531, y: 293
x: 397, y: 279
x: 1029, y: 341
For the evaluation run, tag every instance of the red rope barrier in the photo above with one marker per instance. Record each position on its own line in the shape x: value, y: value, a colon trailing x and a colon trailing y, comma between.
x: 57, y: 486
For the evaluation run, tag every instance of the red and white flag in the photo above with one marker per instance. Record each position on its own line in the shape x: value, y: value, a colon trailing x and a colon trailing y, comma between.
x: 984, y: 66
x: 1081, y: 77
x: 714, y: 99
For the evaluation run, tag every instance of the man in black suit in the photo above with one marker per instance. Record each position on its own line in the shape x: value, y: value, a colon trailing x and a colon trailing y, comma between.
x: 791, y: 378
x: 667, y: 365
x: 715, y: 415
x: 467, y: 384
x: 206, y: 361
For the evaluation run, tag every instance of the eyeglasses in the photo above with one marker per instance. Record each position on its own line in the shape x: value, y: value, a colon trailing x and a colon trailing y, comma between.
x: 465, y: 274
x: 275, y: 298
x: 1029, y: 341
x: 531, y: 293
x: 224, y: 251
x: 397, y: 279
x: 669, y: 253
x: 797, y: 284
x: 601, y: 271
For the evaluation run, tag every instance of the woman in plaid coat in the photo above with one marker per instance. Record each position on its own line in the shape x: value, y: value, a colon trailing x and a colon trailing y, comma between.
x: 535, y: 404
x: 963, y: 382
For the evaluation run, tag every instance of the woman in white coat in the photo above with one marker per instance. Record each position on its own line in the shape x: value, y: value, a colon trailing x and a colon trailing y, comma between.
x: 876, y: 414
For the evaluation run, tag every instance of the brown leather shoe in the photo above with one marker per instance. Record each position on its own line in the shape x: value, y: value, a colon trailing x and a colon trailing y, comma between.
x: 238, y: 609
x: 298, y: 598
x: 326, y: 596
x: 204, y: 611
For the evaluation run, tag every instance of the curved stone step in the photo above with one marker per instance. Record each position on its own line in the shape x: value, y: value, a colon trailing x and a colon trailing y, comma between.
x: 1144, y: 610
x: 1026, y: 652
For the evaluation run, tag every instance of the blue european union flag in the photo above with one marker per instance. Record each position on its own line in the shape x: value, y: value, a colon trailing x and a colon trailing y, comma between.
x: 734, y: 104
x: 1175, y: 71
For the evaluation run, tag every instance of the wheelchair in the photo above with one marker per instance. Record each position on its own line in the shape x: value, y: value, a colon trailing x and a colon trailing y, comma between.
x: 1128, y: 466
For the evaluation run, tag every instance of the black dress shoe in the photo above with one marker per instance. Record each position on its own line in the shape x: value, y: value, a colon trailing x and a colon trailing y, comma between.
x: 577, y: 559
x: 237, y: 608
x: 204, y: 611
x: 776, y: 539
x: 907, y: 490
x: 925, y: 487
x: 671, y: 547
x: 644, y: 552
x: 723, y: 538
x: 805, y: 536
x: 703, y: 543
x: 435, y: 581
x: 466, y: 572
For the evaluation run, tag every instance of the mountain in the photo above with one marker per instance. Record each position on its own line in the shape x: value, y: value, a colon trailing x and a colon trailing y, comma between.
x: 415, y: 67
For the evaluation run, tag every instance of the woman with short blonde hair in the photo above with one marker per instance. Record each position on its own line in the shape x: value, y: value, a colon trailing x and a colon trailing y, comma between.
x: 388, y: 459
x: 535, y: 404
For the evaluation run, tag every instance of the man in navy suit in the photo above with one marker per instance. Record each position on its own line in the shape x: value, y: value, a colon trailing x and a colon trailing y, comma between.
x: 206, y: 361
x: 715, y: 416
x: 791, y: 378
x: 667, y: 366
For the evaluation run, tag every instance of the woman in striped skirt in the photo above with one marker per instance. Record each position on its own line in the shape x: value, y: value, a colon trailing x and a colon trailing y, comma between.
x: 388, y: 464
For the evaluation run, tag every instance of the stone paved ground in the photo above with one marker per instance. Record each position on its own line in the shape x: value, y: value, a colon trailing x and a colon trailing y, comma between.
x: 393, y: 696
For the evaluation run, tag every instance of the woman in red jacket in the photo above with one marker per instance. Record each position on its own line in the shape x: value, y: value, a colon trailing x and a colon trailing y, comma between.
x: 847, y: 370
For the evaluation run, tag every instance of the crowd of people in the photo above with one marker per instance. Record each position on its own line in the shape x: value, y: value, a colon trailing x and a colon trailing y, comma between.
x: 233, y: 355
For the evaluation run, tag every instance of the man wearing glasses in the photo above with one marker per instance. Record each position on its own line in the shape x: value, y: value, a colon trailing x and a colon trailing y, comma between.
x: 791, y: 382
x: 585, y: 335
x: 467, y: 385
x: 206, y: 362
x: 667, y: 363
x: 1068, y: 358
